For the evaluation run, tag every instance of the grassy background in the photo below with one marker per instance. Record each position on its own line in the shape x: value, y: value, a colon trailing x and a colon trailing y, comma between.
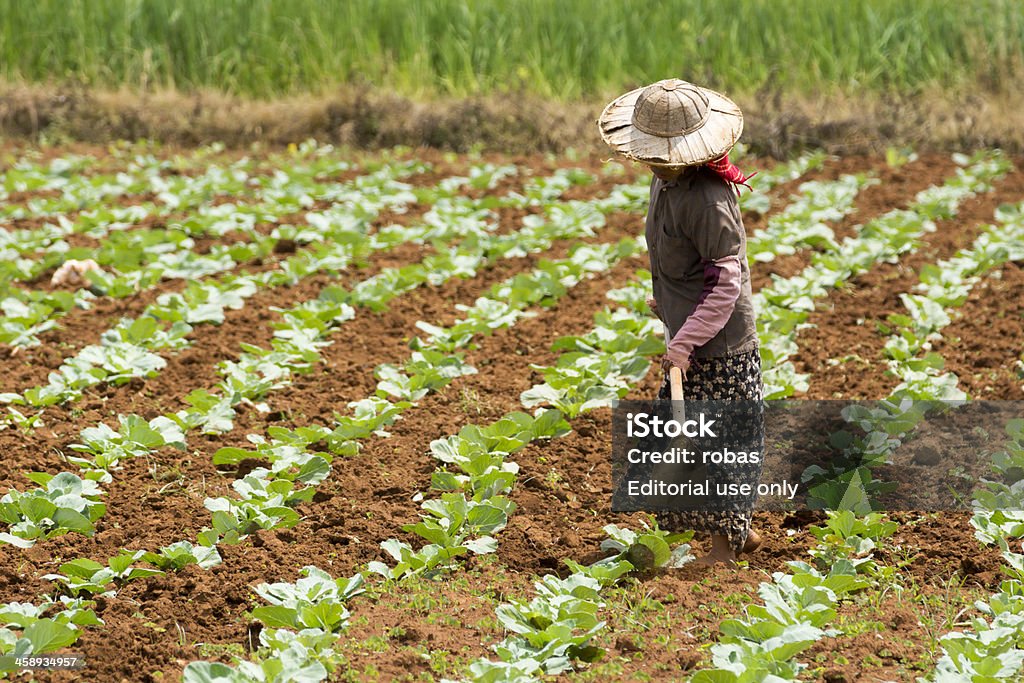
x: 564, y: 50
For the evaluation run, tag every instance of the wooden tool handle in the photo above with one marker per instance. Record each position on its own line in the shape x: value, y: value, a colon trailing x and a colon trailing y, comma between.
x: 675, y: 380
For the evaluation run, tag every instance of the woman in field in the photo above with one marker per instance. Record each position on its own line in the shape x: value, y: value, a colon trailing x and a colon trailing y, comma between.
x: 698, y: 262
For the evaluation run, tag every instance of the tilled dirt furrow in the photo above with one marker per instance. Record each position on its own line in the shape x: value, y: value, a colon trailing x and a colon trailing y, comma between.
x: 30, y: 367
x: 390, y: 471
x: 984, y: 345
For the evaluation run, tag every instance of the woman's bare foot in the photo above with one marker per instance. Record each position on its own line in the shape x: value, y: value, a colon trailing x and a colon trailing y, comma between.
x: 720, y: 553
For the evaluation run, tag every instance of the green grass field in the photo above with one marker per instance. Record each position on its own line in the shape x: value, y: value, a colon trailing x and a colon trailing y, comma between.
x: 558, y: 49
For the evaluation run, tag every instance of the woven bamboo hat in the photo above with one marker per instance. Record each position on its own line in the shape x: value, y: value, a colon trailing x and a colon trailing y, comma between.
x: 671, y: 123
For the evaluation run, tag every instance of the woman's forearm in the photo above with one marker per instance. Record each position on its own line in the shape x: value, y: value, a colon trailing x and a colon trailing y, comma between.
x: 722, y: 284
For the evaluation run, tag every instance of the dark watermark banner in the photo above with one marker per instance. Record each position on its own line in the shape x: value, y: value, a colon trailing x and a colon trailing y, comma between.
x: 800, y: 454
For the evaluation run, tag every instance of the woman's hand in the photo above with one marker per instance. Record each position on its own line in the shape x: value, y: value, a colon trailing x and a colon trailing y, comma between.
x: 667, y: 363
x: 653, y: 305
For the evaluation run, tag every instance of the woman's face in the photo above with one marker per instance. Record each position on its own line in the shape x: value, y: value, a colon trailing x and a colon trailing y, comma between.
x: 665, y: 173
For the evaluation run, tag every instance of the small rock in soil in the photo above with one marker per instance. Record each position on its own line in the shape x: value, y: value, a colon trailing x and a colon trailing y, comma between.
x: 570, y: 539
x: 927, y: 455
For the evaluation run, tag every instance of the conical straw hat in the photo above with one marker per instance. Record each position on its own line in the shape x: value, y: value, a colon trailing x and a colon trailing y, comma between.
x: 671, y: 123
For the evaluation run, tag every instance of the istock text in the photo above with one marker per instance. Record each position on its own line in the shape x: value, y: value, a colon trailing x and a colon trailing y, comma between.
x: 642, y: 424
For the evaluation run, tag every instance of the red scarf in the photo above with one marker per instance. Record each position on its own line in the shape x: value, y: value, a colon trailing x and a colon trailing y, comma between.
x: 728, y: 172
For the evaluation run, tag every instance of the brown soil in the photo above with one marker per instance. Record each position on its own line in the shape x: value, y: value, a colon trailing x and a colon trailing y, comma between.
x: 330, y: 524
x: 159, y: 624
x: 984, y: 346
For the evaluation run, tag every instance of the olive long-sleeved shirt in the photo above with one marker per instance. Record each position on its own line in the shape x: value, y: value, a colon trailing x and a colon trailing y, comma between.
x: 693, y: 228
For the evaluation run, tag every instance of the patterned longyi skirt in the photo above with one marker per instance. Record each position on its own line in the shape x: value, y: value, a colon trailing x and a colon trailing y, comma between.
x: 736, y: 377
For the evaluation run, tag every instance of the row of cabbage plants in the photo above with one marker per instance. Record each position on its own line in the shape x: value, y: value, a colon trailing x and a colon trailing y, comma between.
x: 785, y: 305
x: 925, y: 388
x: 992, y: 648
x: 803, y: 223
